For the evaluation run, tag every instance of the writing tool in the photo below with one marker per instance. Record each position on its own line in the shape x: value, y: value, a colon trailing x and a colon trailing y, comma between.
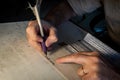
x: 41, y: 29
x: 36, y: 11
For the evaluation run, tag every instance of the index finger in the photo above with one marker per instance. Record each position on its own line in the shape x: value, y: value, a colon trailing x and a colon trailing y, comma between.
x: 73, y: 58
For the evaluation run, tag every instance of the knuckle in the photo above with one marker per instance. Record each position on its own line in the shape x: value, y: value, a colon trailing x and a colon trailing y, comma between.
x: 79, y: 71
x: 31, y: 27
x: 95, y: 59
x: 31, y: 23
x: 28, y: 29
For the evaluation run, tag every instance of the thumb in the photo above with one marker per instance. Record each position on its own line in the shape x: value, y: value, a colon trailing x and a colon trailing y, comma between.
x: 73, y: 58
x: 52, y: 38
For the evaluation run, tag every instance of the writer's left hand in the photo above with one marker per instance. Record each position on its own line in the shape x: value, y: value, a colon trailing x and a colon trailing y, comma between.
x: 93, y: 68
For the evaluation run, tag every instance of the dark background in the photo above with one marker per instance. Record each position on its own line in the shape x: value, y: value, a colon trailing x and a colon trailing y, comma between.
x: 18, y: 10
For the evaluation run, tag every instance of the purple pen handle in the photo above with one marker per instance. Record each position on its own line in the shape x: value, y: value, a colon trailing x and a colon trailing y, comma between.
x: 44, y: 47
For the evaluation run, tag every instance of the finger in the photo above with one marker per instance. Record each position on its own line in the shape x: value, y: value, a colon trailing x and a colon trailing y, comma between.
x: 33, y: 23
x: 34, y: 37
x: 52, y: 31
x: 36, y: 45
x: 52, y: 37
x: 74, y: 58
x: 89, y: 53
x: 32, y: 32
x: 50, y: 40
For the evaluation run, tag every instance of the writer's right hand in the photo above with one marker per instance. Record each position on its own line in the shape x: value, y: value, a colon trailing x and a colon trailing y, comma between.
x: 34, y: 39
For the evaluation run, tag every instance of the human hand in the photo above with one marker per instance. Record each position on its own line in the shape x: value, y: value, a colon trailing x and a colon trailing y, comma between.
x: 34, y: 39
x: 93, y: 68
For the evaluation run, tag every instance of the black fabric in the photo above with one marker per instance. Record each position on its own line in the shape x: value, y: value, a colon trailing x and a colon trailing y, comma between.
x: 15, y: 10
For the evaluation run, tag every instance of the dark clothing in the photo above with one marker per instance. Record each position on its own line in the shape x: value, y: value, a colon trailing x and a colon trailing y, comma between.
x: 112, y: 13
x: 14, y: 10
